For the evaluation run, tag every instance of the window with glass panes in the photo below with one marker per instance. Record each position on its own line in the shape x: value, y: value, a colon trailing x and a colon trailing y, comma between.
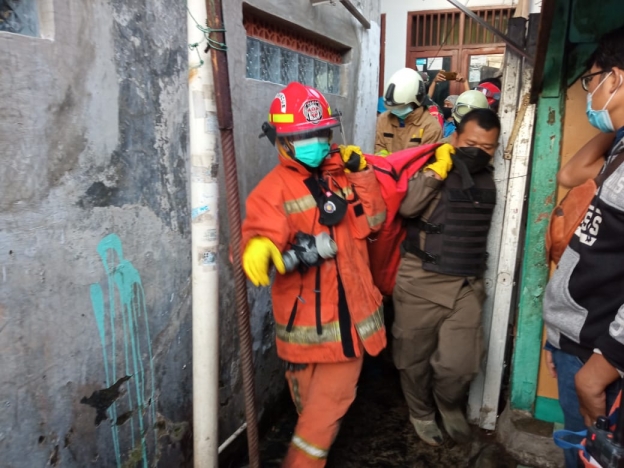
x: 20, y: 17
x: 279, y: 55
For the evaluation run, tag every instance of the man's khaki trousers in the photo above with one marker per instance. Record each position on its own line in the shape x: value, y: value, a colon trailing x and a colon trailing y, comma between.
x: 436, y: 349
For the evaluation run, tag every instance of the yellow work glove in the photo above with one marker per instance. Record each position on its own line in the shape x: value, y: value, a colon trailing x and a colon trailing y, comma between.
x: 383, y: 153
x: 443, y: 163
x: 258, y: 251
x: 352, y: 158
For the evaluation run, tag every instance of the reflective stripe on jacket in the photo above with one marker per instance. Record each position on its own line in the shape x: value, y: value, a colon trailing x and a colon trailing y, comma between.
x: 279, y: 207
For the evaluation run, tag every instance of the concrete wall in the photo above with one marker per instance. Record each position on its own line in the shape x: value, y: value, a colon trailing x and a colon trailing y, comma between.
x: 94, y: 237
x: 95, y: 232
x: 251, y: 100
x: 396, y: 23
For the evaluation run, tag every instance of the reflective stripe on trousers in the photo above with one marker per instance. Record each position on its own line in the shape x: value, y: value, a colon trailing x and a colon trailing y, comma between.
x: 323, y: 393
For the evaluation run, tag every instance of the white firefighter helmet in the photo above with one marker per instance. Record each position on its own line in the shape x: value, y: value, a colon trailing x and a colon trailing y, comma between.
x: 467, y: 101
x: 405, y: 86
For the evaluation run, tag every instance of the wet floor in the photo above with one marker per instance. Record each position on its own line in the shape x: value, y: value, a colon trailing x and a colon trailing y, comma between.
x: 376, y: 432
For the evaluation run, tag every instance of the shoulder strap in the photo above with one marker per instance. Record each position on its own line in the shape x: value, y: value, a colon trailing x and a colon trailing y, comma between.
x: 560, y: 436
x: 610, y: 169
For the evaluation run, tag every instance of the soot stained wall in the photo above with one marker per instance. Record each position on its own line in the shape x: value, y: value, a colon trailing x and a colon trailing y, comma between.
x: 95, y: 239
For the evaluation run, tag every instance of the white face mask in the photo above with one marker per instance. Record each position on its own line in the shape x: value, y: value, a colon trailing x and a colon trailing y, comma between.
x: 601, y: 118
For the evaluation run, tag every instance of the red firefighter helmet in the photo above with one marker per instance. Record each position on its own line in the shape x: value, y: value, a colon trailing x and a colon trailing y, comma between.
x: 491, y: 91
x: 298, y: 109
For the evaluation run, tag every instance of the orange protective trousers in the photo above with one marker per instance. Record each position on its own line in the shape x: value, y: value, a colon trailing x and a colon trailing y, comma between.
x: 322, y: 394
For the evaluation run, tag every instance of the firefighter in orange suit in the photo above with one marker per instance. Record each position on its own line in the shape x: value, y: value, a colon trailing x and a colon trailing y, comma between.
x: 407, y: 122
x: 310, y: 217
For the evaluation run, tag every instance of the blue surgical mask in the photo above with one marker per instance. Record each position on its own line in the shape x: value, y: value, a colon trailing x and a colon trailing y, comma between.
x: 403, y: 111
x: 601, y: 118
x: 311, y: 151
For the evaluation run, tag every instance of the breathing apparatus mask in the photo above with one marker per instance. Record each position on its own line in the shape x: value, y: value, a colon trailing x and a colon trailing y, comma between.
x: 309, y: 251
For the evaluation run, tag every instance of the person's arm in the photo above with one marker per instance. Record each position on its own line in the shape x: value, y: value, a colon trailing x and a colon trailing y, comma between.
x: 439, y: 78
x: 587, y: 161
x: 433, y: 132
x: 421, y: 189
x: 265, y: 232
x: 366, y: 186
x: 590, y: 382
x: 460, y: 79
x: 266, y: 215
x: 603, y: 368
x: 380, y: 141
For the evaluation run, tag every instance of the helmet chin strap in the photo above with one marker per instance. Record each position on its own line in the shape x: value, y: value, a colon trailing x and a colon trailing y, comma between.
x: 285, y: 145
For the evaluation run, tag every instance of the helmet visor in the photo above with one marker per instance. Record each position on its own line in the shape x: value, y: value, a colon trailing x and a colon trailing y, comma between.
x: 462, y: 109
x: 488, y: 93
x: 321, y: 133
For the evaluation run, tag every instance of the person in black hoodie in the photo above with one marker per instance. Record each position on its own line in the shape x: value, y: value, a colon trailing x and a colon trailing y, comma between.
x: 584, y: 299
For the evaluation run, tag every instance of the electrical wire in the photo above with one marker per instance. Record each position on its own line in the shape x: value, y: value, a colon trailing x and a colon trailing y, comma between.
x: 210, y: 43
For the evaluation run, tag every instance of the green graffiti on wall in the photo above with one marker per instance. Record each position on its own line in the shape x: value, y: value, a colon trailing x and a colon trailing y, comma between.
x: 126, y: 347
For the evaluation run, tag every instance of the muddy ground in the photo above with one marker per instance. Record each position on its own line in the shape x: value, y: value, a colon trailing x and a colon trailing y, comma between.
x: 376, y: 432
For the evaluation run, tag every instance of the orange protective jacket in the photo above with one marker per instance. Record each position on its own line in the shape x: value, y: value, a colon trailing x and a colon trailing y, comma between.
x: 279, y: 207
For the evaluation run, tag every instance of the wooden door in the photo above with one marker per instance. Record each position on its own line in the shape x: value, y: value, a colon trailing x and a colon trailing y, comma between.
x: 482, y: 62
x: 432, y: 62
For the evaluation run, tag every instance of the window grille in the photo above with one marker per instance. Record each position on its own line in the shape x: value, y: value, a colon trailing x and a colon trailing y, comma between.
x: 474, y: 33
x: 444, y: 29
x: 435, y: 29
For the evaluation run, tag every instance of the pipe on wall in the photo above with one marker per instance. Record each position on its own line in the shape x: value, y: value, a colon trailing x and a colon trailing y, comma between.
x: 522, y: 9
x: 221, y: 78
x: 204, y: 245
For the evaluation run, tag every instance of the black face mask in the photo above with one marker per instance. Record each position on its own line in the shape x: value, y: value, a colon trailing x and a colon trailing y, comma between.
x: 447, y: 112
x: 474, y: 158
